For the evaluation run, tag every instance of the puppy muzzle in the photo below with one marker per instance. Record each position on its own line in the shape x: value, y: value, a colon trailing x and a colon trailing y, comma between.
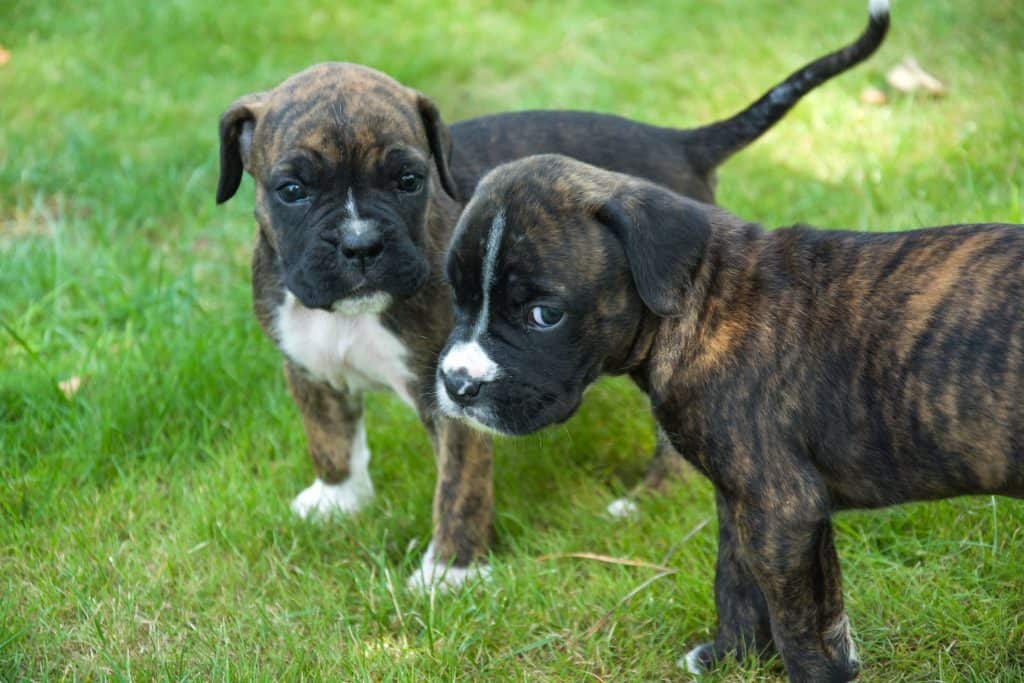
x: 460, y: 387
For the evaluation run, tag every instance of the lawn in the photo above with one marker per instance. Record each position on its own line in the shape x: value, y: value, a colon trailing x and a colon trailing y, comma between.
x: 144, y: 523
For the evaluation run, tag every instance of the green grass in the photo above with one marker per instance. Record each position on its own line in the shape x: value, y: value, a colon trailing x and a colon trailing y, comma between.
x: 144, y: 526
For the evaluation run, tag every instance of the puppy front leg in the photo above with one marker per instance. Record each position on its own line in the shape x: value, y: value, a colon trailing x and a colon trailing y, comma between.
x: 333, y: 421
x: 744, y: 626
x: 793, y: 557
x: 463, y: 509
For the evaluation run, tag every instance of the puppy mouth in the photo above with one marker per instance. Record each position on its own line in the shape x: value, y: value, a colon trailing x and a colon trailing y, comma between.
x: 329, y: 286
x: 358, y: 303
x: 477, y: 417
x: 492, y: 421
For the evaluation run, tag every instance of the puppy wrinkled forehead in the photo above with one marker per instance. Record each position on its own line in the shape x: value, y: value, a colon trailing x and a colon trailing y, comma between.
x: 357, y: 87
x: 469, y: 239
x: 545, y: 203
x: 335, y: 119
x: 340, y: 104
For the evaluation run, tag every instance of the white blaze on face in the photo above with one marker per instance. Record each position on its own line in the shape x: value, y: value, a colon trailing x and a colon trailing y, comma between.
x: 353, y: 223
x: 469, y: 355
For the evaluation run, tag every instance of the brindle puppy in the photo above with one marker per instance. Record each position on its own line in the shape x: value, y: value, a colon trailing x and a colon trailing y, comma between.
x: 357, y: 188
x: 802, y: 371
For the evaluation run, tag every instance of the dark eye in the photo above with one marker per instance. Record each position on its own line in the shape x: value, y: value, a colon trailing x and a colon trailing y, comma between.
x: 544, y: 317
x: 410, y: 183
x: 292, y: 193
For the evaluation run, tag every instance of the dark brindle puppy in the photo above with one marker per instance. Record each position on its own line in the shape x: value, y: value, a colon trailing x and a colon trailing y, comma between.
x: 357, y: 189
x: 801, y: 371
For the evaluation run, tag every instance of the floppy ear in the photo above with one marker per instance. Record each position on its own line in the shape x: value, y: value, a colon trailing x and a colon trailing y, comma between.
x: 440, y: 142
x: 236, y: 126
x: 664, y: 237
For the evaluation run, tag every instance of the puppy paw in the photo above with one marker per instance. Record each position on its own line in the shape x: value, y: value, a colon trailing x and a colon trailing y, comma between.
x: 695, y: 661
x: 622, y: 508
x: 839, y: 639
x: 443, y: 578
x: 321, y: 500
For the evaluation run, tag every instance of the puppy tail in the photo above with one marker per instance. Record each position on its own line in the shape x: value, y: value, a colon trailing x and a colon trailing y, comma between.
x: 712, y: 144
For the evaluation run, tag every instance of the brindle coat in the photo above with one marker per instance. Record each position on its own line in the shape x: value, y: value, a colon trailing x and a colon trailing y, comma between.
x: 802, y: 371
x: 344, y: 118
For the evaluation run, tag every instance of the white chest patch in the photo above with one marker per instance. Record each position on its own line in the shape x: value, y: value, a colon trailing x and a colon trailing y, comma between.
x: 350, y: 352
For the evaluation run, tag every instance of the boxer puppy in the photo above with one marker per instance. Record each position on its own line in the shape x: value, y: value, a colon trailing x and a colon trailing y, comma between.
x: 802, y: 371
x: 358, y: 184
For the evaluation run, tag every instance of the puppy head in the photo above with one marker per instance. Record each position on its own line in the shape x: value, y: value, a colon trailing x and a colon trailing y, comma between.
x: 345, y: 161
x: 554, y: 264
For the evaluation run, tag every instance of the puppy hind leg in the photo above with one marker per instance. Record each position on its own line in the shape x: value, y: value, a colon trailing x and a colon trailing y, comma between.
x: 667, y: 466
x: 333, y: 422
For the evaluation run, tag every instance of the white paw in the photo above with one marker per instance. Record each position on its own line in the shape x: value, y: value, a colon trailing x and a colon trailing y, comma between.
x: 442, y: 577
x: 841, y: 635
x: 691, y: 662
x: 322, y: 500
x: 622, y: 508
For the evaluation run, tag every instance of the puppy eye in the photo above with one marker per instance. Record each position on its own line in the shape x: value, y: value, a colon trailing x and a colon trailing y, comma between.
x: 545, y: 317
x: 292, y: 193
x: 410, y: 183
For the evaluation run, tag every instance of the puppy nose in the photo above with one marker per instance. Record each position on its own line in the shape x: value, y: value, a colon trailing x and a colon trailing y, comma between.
x: 363, y: 246
x: 461, y: 388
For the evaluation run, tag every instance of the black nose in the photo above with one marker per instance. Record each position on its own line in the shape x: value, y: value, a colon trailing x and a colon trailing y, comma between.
x: 461, y: 388
x: 364, y: 246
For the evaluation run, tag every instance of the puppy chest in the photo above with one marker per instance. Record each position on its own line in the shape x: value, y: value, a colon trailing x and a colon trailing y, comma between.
x: 353, y: 353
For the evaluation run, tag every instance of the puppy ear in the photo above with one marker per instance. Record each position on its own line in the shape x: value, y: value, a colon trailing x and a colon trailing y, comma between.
x: 236, y: 126
x: 440, y: 142
x: 664, y: 237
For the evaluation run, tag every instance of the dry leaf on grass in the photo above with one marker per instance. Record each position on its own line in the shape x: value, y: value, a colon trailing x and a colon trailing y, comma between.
x: 608, y: 559
x: 70, y: 386
x: 873, y: 96
x: 5, y: 56
x: 909, y: 77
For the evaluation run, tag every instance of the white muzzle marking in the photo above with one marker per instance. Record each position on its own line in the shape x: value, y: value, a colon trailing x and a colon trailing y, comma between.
x: 472, y: 358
